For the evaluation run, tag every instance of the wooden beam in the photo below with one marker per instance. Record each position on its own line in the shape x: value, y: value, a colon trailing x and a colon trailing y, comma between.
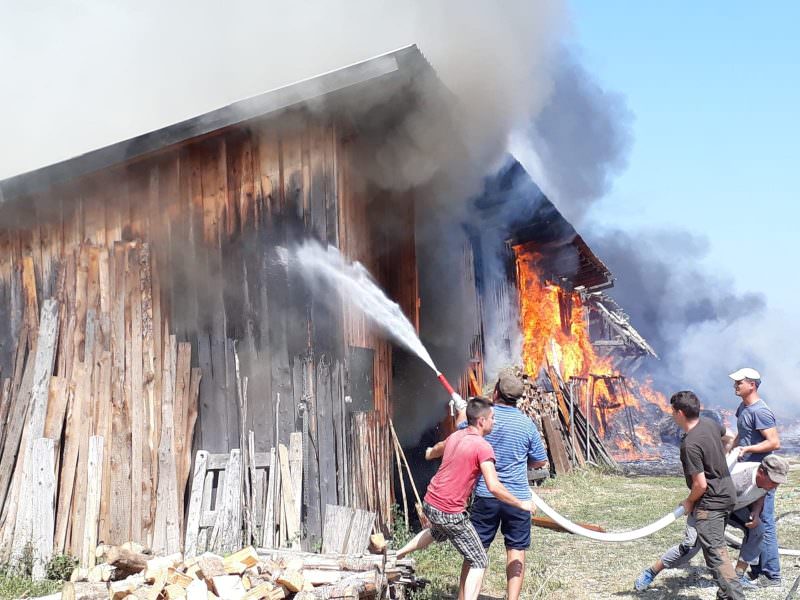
x: 94, y: 478
x: 43, y: 503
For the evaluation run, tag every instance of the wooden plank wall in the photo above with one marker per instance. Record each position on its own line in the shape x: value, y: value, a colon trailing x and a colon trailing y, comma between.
x: 193, y: 235
x: 388, y: 252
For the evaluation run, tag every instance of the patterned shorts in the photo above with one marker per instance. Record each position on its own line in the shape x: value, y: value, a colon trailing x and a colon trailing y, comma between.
x: 457, y: 528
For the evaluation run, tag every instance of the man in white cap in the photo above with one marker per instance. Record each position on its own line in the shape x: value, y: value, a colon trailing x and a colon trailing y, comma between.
x: 757, y: 438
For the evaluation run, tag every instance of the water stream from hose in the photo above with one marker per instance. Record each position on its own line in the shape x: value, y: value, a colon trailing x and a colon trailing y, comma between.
x: 353, y: 283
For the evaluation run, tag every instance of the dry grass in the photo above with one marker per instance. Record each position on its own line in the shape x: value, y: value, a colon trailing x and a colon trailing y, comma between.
x: 562, y: 566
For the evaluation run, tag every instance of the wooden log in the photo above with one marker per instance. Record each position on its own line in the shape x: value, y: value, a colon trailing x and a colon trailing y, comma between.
x: 34, y: 428
x: 104, y: 429
x: 182, y: 451
x: 120, y: 459
x: 195, y: 504
x: 292, y: 580
x: 360, y: 530
x: 548, y: 523
x: 151, y: 373
x: 136, y: 406
x: 269, y: 507
x: 166, y: 535
x: 43, y: 503
x: 31, y: 310
x: 226, y: 535
x: 13, y: 439
x: 197, y: 590
x: 336, y: 530
x: 56, y: 408
x: 5, y: 405
x: 93, y: 491
x: 83, y: 430
x: 84, y: 590
x: 122, y: 589
x: 287, y: 498
x: 229, y: 587
x: 127, y: 562
x: 556, y: 446
x: 296, y: 469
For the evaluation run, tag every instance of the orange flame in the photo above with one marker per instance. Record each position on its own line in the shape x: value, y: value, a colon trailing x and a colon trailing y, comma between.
x: 555, y: 332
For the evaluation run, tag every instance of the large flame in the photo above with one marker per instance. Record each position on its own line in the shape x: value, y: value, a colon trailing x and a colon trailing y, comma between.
x: 555, y: 333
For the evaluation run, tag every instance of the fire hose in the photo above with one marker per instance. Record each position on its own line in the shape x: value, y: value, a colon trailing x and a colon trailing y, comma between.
x: 603, y: 536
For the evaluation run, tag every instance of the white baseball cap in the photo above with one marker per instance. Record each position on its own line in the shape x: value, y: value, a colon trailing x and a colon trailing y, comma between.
x: 746, y: 373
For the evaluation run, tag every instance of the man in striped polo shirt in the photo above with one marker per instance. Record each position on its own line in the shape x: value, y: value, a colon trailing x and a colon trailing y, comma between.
x: 517, y: 445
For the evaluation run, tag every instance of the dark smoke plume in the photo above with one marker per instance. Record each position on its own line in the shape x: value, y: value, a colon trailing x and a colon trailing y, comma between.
x: 579, y: 141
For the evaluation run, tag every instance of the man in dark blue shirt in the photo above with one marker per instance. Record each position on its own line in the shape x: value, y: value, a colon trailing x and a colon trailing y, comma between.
x: 757, y: 438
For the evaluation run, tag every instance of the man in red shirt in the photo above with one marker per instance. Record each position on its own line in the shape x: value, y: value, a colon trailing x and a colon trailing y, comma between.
x: 466, y: 456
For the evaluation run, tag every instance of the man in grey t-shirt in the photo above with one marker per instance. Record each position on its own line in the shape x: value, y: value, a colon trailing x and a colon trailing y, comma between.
x: 757, y: 438
x: 752, y: 482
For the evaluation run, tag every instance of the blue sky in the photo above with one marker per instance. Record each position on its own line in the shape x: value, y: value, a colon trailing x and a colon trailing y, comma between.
x: 715, y: 89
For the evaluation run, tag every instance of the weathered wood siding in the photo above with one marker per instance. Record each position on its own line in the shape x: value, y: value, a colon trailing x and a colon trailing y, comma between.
x: 214, y: 215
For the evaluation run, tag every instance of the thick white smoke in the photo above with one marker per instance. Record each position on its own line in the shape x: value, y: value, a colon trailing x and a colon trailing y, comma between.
x: 81, y: 74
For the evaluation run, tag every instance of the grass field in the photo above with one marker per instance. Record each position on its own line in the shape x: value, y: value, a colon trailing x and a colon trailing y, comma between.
x: 563, y: 566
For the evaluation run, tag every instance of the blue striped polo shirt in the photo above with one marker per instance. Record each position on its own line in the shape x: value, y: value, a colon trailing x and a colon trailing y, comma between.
x: 515, y: 439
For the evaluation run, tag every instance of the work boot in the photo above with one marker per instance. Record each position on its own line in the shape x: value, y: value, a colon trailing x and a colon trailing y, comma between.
x: 644, y: 580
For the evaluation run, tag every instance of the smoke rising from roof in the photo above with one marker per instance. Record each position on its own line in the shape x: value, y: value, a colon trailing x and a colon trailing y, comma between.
x: 702, y: 327
x: 87, y: 74
x: 579, y: 141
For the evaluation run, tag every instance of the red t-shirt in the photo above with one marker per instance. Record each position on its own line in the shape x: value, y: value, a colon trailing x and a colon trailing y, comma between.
x: 464, y: 451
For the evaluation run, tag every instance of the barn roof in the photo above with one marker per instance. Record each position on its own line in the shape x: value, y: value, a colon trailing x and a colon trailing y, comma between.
x: 338, y: 85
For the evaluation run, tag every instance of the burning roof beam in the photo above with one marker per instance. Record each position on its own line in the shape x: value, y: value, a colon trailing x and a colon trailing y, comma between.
x: 618, y: 322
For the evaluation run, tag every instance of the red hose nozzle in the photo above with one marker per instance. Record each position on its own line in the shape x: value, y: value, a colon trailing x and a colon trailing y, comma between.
x: 445, y: 384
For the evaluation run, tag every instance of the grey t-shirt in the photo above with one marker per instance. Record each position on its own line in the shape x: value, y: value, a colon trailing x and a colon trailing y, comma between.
x: 743, y: 475
x: 751, y: 421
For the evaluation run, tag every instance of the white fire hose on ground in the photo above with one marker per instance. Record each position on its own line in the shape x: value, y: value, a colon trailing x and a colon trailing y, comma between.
x: 635, y: 534
x: 602, y: 536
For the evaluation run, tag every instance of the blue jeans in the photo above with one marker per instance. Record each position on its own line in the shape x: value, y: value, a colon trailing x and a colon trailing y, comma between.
x: 769, y: 563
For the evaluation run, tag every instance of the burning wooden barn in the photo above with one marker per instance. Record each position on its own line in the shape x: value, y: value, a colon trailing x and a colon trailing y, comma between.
x: 576, y: 345
x: 168, y: 379
x: 148, y: 313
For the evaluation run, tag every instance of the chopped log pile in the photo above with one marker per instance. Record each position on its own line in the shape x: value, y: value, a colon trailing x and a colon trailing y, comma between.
x: 130, y: 572
x: 569, y: 438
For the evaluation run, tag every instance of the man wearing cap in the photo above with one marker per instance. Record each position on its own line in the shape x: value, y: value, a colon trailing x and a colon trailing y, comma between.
x: 757, y: 438
x: 517, y: 445
x: 752, y: 482
x: 466, y: 456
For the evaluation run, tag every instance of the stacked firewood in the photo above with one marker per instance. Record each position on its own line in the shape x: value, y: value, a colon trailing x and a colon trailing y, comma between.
x: 129, y: 572
x: 558, y: 415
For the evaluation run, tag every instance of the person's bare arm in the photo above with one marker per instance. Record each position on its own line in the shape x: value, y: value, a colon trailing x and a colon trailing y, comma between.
x: 772, y: 442
x: 755, y: 513
x: 699, y: 487
x: 499, y: 490
x: 435, y: 451
x: 537, y: 464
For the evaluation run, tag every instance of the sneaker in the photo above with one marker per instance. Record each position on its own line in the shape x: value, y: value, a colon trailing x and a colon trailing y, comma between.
x: 764, y: 581
x: 747, y: 583
x: 644, y: 580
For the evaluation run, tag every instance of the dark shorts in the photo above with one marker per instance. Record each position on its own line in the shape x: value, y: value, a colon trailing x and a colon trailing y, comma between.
x: 488, y: 514
x: 457, y: 528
